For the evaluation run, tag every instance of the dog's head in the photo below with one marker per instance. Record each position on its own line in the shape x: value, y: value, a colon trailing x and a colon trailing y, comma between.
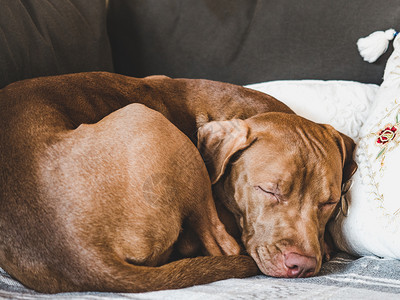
x: 281, y: 177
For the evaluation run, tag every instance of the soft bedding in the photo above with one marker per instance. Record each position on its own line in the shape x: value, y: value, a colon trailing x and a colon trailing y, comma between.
x: 344, y: 277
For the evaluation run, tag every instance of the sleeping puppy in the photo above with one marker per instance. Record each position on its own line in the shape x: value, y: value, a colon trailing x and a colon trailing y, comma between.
x: 94, y: 190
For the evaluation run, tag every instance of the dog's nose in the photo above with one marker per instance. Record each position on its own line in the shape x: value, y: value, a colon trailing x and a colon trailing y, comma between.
x: 299, y: 265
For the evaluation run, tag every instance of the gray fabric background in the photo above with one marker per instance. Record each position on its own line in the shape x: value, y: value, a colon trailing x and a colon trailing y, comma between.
x: 50, y: 37
x: 248, y: 41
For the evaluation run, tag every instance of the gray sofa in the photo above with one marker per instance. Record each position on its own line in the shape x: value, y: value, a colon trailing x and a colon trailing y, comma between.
x: 237, y: 41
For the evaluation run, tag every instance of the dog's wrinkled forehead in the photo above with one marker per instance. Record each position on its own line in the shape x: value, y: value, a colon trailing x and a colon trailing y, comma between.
x: 291, y: 133
x: 288, y: 137
x: 283, y: 124
x: 290, y: 145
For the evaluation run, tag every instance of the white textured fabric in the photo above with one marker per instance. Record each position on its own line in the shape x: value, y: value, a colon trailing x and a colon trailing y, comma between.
x: 373, y: 222
x: 343, y: 104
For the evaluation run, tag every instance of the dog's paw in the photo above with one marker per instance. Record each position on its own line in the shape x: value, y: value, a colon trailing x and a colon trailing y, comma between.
x: 329, y: 249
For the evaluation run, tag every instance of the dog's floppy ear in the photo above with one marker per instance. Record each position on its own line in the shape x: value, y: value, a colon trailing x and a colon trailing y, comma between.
x: 346, y: 146
x: 349, y: 165
x: 218, y: 141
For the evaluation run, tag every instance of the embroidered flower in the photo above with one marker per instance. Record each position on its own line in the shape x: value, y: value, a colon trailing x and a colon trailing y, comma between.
x: 386, y: 135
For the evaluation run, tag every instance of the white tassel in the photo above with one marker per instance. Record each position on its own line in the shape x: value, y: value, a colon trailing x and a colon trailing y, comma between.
x: 374, y: 45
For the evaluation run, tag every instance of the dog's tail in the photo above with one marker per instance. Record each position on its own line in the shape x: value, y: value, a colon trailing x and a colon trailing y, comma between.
x: 122, y: 276
x: 179, y: 274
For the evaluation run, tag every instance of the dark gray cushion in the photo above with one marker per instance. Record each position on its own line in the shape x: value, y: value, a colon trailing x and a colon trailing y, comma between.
x: 247, y: 41
x: 49, y: 37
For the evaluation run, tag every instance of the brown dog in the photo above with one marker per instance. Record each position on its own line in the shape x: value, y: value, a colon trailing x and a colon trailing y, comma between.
x: 78, y: 208
x: 282, y: 188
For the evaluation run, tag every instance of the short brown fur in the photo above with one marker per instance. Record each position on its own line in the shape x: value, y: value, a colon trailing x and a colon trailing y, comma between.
x: 73, y: 215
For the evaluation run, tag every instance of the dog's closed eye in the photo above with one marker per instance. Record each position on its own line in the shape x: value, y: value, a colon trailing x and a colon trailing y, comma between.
x: 269, y: 194
x: 328, y: 204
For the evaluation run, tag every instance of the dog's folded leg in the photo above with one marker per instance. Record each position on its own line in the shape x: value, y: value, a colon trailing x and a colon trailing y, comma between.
x: 211, y: 230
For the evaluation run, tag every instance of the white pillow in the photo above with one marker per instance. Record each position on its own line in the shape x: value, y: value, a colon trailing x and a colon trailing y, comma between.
x: 373, y: 222
x: 343, y: 104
